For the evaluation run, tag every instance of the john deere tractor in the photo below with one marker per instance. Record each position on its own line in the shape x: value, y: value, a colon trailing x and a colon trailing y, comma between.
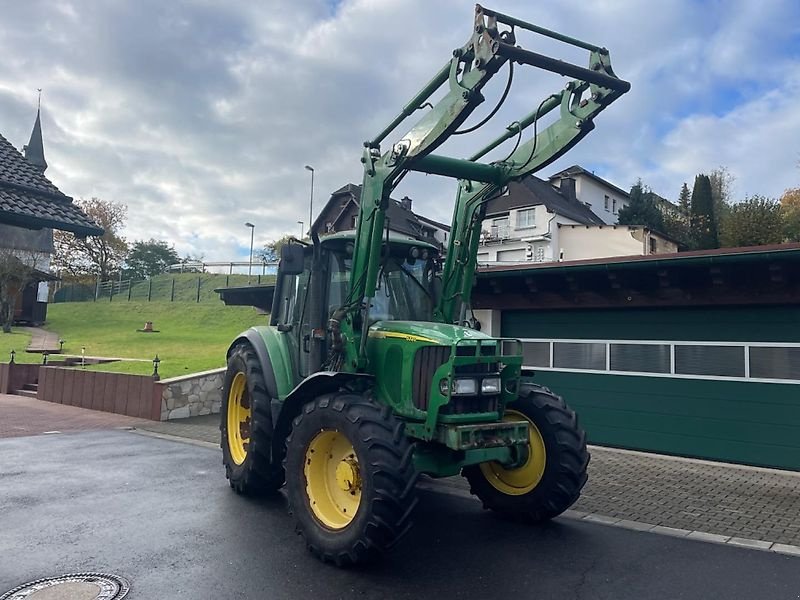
x: 372, y: 371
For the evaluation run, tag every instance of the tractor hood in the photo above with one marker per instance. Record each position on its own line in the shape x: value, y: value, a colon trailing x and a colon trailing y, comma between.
x: 424, y: 332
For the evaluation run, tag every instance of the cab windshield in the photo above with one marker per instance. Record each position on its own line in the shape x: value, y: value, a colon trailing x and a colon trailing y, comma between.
x: 405, y: 288
x: 404, y: 291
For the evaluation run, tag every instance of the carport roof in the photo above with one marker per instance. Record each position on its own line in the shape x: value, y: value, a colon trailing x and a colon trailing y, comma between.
x: 726, y: 276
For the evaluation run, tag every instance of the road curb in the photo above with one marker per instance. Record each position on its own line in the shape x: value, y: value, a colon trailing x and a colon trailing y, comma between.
x: 697, y: 536
x: 433, y: 485
x: 175, y: 438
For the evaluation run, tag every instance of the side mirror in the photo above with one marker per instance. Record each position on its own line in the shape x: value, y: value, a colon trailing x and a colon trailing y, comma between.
x: 292, y: 262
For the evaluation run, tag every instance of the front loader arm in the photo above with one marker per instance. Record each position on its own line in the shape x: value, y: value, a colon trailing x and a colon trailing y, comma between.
x: 463, y: 77
x: 576, y: 114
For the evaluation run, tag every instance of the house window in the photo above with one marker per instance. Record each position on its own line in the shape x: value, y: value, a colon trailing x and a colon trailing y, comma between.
x: 653, y: 245
x: 500, y: 229
x: 607, y: 202
x: 614, y: 205
x: 526, y: 218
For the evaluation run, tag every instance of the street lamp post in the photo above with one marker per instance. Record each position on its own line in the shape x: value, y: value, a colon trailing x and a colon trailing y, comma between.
x: 311, y: 201
x: 301, y: 228
x: 250, y: 265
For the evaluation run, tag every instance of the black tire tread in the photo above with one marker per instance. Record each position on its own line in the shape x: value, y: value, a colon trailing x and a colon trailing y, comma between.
x: 565, y: 470
x: 387, y: 454
x: 257, y: 474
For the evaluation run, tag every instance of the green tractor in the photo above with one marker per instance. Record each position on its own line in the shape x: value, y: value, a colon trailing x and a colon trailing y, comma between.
x: 372, y: 372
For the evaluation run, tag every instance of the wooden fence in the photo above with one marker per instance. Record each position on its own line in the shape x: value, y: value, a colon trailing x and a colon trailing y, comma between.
x: 132, y: 395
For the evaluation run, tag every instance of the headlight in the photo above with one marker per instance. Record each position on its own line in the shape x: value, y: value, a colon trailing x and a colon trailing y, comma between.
x: 490, y: 385
x: 465, y: 387
x: 443, y: 387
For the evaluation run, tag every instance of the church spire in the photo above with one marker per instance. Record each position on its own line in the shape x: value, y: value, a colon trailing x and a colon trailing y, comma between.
x: 34, y: 151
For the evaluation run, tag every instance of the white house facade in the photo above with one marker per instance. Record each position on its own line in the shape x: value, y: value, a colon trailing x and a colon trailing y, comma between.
x: 572, y: 216
x: 603, y: 198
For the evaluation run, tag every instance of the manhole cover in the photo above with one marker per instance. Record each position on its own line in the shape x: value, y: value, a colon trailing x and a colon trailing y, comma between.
x: 79, y: 586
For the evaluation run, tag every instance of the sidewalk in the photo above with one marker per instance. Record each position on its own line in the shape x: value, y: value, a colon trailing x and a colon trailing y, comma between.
x: 684, y: 494
x: 23, y: 416
x: 42, y: 340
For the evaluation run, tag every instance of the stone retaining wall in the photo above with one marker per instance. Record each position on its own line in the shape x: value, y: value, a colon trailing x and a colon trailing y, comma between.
x: 191, y: 395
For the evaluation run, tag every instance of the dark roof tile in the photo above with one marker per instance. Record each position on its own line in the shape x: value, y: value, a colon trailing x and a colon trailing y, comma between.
x: 29, y: 199
x: 533, y: 191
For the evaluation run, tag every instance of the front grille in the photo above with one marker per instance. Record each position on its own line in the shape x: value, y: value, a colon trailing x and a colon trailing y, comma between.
x: 463, y: 405
x: 426, y: 361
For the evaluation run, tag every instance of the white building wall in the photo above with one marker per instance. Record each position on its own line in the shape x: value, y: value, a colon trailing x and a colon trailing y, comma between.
x: 590, y: 192
x: 581, y: 242
x: 538, y: 243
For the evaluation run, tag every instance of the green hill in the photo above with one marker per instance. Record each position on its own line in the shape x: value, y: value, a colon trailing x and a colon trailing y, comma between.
x: 192, y: 337
x: 168, y: 287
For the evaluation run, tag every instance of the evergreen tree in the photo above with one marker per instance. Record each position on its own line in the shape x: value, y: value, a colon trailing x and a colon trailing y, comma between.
x: 642, y: 209
x: 704, y: 223
x: 685, y: 199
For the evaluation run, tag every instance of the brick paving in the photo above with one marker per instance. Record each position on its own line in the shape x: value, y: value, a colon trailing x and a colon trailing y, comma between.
x: 21, y: 416
x: 715, y: 498
x: 204, y: 428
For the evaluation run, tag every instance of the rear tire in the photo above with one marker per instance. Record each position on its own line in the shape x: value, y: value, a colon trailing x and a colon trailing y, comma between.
x: 350, y: 478
x: 246, y: 426
x: 551, y: 478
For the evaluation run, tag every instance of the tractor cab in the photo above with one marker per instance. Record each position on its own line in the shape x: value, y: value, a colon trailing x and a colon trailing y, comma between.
x: 314, y: 283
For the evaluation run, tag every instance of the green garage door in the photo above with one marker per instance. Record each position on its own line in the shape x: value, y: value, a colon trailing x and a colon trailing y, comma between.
x: 717, y: 383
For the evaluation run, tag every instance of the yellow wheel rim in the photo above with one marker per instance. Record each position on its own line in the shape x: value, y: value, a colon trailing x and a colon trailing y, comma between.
x: 239, y: 417
x: 333, y: 479
x: 524, y: 478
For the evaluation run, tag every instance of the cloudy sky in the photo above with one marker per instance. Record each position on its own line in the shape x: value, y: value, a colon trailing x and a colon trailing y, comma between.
x: 201, y: 115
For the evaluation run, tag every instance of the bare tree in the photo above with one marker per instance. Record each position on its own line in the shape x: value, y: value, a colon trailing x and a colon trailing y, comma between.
x: 101, y: 255
x: 17, y: 270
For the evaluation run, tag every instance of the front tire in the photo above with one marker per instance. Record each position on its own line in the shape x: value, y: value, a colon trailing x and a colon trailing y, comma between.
x: 350, y: 478
x: 246, y: 426
x: 550, y: 477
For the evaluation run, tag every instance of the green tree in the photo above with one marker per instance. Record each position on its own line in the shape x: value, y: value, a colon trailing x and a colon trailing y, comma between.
x: 790, y: 214
x: 151, y: 257
x: 754, y: 222
x: 721, y: 181
x: 271, y: 251
x: 685, y: 199
x: 703, y: 220
x: 642, y: 209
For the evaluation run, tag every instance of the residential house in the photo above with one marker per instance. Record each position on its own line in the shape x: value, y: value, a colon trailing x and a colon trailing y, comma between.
x: 537, y: 221
x: 602, y: 197
x: 340, y: 213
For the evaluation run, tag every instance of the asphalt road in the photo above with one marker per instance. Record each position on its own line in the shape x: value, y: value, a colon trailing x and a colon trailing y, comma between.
x: 160, y: 514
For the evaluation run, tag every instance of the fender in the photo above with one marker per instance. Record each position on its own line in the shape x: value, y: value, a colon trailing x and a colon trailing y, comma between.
x: 252, y: 337
x: 322, y: 382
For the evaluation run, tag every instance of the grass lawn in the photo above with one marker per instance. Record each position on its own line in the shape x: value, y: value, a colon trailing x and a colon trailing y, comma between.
x: 193, y: 337
x: 183, y: 287
x: 17, y: 340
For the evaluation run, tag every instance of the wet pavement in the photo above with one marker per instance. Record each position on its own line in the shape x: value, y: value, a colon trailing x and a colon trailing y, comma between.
x: 160, y: 514
x: 731, y: 501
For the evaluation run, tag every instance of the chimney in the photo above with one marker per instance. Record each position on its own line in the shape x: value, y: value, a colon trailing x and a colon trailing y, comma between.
x: 406, y: 203
x: 568, y: 188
